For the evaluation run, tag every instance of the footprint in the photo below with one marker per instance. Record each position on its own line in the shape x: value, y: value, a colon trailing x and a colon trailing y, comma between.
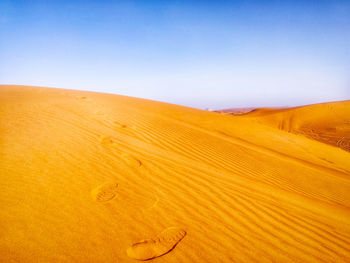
x: 131, y: 160
x: 105, y: 192
x: 99, y: 112
x: 105, y: 139
x: 158, y: 246
x: 83, y: 98
x: 154, y: 204
x: 119, y: 125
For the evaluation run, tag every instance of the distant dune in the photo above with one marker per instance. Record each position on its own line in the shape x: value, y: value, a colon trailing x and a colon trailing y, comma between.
x: 91, y: 177
x: 326, y: 122
x: 236, y: 111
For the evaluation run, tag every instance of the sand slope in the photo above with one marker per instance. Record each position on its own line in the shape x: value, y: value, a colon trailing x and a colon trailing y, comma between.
x: 84, y: 176
x: 326, y: 122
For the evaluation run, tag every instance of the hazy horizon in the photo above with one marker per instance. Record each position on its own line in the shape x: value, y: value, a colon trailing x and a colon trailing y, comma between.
x: 200, y: 54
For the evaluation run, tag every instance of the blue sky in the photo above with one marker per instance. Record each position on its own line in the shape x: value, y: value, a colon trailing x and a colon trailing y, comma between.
x: 216, y: 54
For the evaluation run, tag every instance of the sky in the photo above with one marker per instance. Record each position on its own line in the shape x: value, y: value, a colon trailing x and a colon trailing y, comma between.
x: 204, y: 54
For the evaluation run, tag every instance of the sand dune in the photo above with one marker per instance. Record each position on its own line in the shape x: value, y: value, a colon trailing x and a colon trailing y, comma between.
x: 86, y: 176
x: 326, y: 122
x: 236, y: 111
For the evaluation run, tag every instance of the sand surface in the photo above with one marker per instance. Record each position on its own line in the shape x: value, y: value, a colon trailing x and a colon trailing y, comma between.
x: 89, y: 177
x: 325, y: 122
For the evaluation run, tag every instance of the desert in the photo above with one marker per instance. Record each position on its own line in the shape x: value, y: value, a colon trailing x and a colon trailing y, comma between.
x: 96, y: 177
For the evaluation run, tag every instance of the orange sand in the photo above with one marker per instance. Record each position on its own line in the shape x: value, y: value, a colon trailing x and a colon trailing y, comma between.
x: 85, y: 176
x: 326, y: 122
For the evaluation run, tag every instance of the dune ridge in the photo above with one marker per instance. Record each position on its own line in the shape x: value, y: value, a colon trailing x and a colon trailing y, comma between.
x: 244, y: 188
